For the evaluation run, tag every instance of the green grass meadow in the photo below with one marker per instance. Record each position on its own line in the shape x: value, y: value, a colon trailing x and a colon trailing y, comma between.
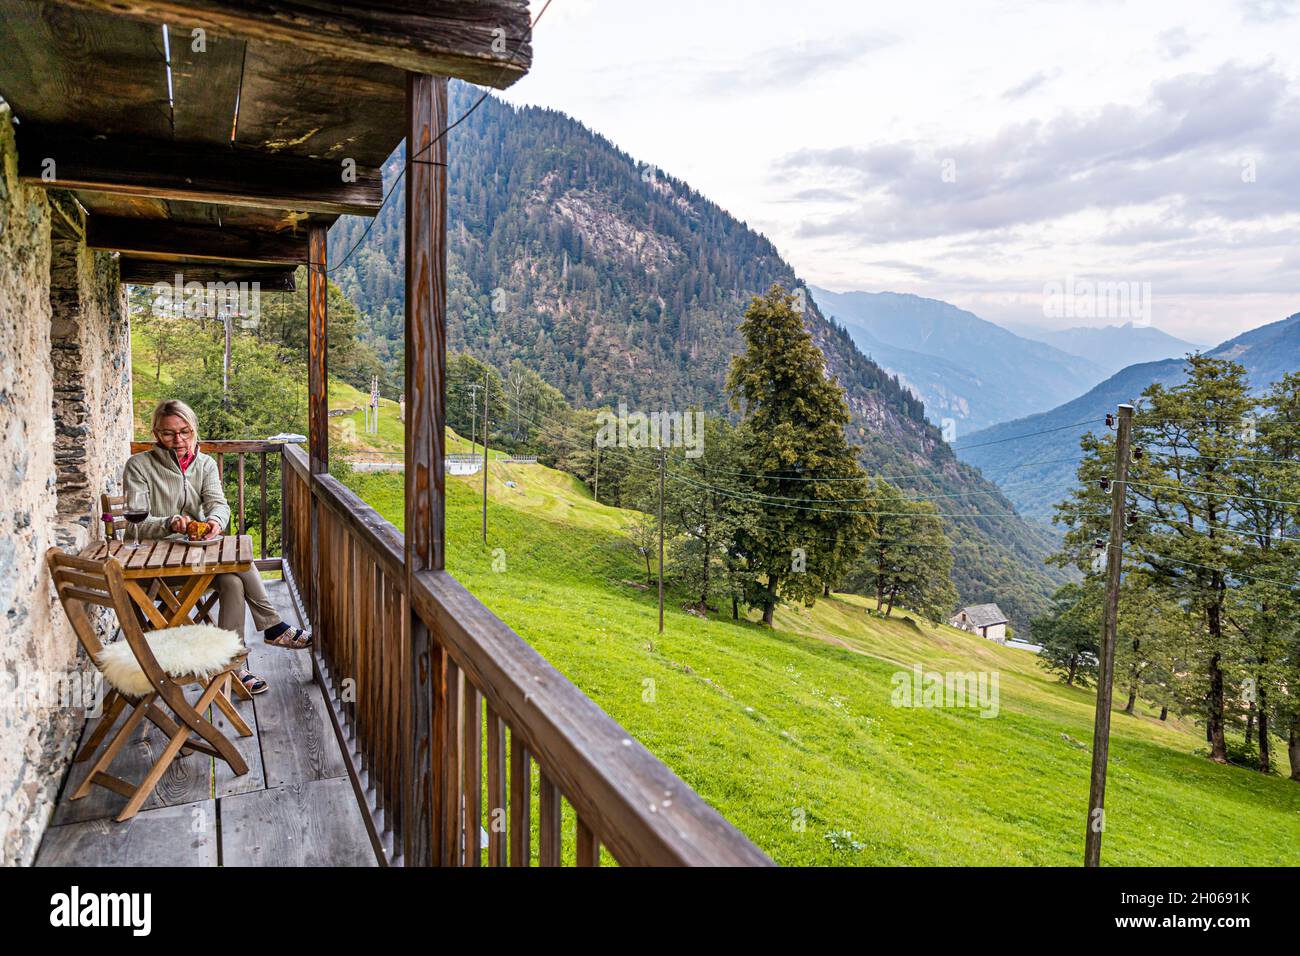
x: 790, y: 733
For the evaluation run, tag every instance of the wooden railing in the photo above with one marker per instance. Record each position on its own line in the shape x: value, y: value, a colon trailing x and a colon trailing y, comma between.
x: 501, y: 712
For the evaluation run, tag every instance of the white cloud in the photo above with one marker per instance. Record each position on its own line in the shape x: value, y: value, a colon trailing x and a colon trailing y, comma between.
x: 1106, y: 139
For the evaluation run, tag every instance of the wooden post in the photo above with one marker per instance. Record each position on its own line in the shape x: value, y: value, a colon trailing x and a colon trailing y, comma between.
x: 423, y: 720
x: 226, y: 322
x: 473, y: 416
x: 596, y: 493
x: 1110, y: 622
x: 485, y: 451
x: 318, y: 405
x: 663, y: 461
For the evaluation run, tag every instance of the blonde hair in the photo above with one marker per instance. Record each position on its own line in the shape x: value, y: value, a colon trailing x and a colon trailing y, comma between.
x: 174, y: 406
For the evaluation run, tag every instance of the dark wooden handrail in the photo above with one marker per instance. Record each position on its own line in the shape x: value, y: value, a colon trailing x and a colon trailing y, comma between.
x: 624, y: 797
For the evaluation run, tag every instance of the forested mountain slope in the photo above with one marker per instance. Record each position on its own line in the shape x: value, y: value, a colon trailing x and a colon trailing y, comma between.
x: 618, y: 283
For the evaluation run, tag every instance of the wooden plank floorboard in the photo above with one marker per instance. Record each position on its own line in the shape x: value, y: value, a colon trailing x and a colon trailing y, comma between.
x: 298, y: 742
x: 317, y: 823
x: 225, y: 782
x: 184, y: 835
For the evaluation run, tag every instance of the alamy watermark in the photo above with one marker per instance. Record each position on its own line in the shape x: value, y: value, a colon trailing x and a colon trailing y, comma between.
x: 212, y: 300
x: 655, y: 430
x: 977, y: 690
x: 70, y: 691
x: 1085, y: 299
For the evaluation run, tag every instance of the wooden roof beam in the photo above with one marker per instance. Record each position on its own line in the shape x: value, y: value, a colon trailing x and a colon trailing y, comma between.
x: 138, y: 271
x: 167, y: 239
x: 160, y: 169
x: 483, y: 41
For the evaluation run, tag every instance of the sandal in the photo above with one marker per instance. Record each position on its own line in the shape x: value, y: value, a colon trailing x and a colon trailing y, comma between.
x: 294, y: 638
x: 254, y: 683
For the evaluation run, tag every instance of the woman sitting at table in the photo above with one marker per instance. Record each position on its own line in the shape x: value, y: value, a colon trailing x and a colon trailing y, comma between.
x: 184, y: 485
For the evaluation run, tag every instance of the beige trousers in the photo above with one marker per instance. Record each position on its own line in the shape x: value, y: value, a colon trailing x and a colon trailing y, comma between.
x: 234, y: 592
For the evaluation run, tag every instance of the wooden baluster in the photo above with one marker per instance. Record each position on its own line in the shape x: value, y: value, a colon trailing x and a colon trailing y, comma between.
x: 286, y: 518
x: 262, y: 508
x: 452, y: 804
x: 588, y: 846
x: 347, y: 629
x: 356, y: 611
x: 374, y: 679
x: 521, y: 796
x: 392, y: 646
x: 367, y: 617
x: 496, y: 783
x: 352, y: 621
x: 472, y: 779
x: 398, y: 696
x: 548, y: 821
x: 243, y: 522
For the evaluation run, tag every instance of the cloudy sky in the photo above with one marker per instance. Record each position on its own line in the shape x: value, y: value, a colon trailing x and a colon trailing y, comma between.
x: 972, y: 151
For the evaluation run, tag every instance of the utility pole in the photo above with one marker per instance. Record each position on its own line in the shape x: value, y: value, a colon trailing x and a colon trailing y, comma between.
x: 485, y: 451
x: 1110, y: 621
x: 663, y: 460
x: 226, y: 322
x: 597, y: 493
x: 473, y: 411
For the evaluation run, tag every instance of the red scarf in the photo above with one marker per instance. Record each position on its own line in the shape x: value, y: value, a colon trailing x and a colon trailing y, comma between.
x: 183, y: 463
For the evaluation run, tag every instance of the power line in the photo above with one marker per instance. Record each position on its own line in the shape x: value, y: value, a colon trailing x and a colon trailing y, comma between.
x: 1045, y: 431
x: 1213, y: 494
x: 864, y: 477
x: 1224, y: 571
x: 410, y: 159
x: 883, y: 514
x: 1262, y: 461
x: 1240, y: 532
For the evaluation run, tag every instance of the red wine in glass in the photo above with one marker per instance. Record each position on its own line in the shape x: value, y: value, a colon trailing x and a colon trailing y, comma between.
x: 136, y: 510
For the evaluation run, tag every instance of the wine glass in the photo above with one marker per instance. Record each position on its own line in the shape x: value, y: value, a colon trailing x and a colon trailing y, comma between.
x: 136, y: 510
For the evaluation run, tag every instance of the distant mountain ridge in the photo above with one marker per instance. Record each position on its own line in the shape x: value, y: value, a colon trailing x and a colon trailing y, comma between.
x: 1267, y: 353
x: 963, y: 367
x: 1112, y: 347
x: 618, y: 283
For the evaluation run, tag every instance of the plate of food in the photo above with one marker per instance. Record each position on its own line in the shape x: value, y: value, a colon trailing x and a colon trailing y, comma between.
x: 196, y: 535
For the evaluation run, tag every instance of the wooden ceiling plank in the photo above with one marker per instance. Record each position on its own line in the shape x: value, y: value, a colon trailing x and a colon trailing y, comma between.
x: 148, y: 238
x: 194, y: 172
x: 482, y: 41
x: 140, y: 271
x: 295, y: 103
x: 70, y: 67
x: 206, y: 71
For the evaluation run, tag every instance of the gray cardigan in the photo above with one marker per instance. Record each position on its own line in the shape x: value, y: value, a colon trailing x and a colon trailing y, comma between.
x: 197, y: 493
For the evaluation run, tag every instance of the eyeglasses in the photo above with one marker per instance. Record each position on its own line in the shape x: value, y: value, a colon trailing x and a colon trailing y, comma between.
x: 183, y: 433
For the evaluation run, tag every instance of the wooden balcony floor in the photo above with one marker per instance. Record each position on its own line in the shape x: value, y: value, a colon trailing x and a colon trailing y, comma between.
x: 294, y: 807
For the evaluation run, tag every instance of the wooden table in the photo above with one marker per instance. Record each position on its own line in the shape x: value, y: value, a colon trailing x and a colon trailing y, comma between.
x: 152, y: 569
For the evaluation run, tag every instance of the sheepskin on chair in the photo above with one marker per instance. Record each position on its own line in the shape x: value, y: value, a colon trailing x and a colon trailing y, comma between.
x: 198, y: 649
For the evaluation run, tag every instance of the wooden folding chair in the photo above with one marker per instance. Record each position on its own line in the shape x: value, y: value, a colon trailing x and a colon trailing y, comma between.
x: 112, y: 510
x: 155, y: 694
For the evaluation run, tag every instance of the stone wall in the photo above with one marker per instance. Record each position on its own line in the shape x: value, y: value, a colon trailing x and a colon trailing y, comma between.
x: 50, y: 477
x: 91, y: 347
